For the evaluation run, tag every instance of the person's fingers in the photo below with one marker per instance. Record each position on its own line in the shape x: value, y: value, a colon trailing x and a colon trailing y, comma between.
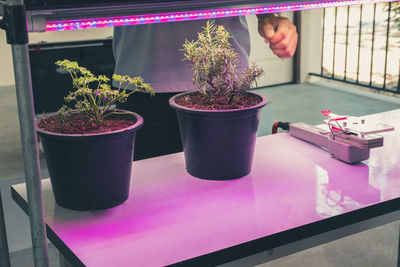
x: 284, y: 26
x: 281, y: 35
x: 282, y: 53
x: 266, y: 27
x: 290, y: 37
x: 269, y: 31
x: 286, y: 52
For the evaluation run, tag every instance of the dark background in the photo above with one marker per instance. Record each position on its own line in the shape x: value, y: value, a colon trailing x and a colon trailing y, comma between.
x: 49, y: 86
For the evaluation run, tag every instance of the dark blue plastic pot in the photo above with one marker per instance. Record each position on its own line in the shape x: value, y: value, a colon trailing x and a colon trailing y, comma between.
x: 90, y: 171
x: 218, y: 144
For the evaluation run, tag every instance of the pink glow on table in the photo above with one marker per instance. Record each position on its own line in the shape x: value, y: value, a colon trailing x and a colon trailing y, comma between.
x: 172, y: 216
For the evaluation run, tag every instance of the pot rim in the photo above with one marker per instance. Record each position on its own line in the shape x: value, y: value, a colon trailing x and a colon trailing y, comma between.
x: 138, y: 124
x: 173, y: 104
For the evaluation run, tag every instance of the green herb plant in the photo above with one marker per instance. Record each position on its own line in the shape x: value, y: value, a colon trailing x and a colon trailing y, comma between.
x: 215, y: 65
x: 93, y: 95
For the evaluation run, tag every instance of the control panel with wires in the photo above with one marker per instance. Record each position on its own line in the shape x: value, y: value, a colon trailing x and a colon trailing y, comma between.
x: 347, y: 138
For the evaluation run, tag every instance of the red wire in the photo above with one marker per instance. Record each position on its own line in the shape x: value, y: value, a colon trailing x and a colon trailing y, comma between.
x: 275, y: 127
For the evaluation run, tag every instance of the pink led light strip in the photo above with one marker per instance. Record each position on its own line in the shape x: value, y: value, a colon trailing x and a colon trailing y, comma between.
x: 194, y: 15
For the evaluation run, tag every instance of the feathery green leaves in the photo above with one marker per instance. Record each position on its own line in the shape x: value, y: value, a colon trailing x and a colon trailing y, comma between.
x: 94, y: 95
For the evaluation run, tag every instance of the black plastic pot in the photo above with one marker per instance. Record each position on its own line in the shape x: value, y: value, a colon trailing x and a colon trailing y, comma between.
x: 218, y: 144
x: 90, y: 171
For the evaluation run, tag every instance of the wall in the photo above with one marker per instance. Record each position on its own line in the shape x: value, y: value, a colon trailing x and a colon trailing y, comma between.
x: 6, y: 71
x: 276, y: 70
x: 311, y: 43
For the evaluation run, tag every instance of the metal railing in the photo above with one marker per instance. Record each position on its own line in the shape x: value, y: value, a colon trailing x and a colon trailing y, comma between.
x: 361, y: 45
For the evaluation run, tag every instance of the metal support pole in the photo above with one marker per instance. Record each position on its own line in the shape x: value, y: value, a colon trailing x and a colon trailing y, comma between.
x: 398, y: 251
x: 387, y: 45
x: 30, y: 153
x: 347, y: 42
x: 372, y: 46
x: 359, y: 44
x: 4, y: 254
x: 23, y: 83
x: 334, y: 44
x: 323, y: 41
x: 297, y: 55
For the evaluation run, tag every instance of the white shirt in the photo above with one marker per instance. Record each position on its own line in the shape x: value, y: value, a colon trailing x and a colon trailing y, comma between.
x: 152, y: 51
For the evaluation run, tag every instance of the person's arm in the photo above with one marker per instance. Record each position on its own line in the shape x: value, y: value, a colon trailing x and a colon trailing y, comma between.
x: 280, y: 33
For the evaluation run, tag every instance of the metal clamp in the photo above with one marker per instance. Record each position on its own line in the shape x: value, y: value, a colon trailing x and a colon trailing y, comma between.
x: 14, y: 23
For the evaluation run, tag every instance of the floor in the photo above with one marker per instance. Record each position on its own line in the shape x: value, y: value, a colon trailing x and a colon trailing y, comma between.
x: 292, y: 103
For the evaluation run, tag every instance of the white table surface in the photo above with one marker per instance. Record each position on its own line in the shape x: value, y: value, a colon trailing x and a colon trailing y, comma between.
x: 295, y: 190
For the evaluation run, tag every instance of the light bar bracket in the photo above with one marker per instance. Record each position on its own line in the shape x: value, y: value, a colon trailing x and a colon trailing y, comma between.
x: 51, y: 24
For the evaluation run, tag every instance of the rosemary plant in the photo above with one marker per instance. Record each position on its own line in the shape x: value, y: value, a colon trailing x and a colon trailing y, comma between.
x: 215, y: 65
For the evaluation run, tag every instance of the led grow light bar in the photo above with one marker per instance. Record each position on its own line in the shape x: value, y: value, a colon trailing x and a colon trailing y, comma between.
x: 66, y: 25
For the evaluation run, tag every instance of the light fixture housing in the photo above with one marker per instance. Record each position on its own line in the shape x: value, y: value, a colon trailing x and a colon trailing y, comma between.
x: 83, y: 17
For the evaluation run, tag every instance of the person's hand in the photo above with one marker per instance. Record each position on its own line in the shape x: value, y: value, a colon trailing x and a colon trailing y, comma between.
x: 280, y: 33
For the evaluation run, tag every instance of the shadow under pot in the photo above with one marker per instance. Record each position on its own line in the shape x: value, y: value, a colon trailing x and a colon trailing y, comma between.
x: 90, y: 171
x: 218, y: 144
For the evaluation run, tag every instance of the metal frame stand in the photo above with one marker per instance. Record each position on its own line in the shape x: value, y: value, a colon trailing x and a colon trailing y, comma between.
x: 14, y: 22
x: 4, y: 254
x: 398, y: 250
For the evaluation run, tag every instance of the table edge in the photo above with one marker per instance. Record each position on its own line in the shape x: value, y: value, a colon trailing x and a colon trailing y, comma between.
x: 51, y: 235
x: 257, y: 245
